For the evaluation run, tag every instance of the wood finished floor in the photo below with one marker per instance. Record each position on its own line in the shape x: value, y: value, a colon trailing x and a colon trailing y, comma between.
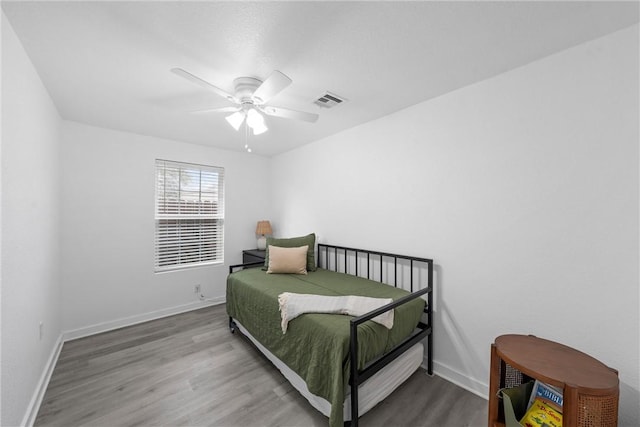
x: 189, y: 370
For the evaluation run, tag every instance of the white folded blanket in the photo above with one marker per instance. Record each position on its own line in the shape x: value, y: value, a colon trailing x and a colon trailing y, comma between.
x: 293, y: 305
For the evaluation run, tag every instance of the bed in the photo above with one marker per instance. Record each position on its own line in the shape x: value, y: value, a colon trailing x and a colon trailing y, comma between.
x: 349, y: 364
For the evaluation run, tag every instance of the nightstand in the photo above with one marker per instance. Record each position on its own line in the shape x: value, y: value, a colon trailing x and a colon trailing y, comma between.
x: 253, y: 255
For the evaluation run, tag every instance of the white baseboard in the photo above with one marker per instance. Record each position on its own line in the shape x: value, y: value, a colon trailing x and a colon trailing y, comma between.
x: 41, y: 388
x: 138, y: 318
x: 461, y: 380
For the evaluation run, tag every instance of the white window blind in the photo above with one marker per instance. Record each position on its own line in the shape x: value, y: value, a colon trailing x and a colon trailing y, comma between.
x: 189, y: 215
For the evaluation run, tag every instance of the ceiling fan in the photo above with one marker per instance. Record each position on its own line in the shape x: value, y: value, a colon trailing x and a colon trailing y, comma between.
x: 251, y: 96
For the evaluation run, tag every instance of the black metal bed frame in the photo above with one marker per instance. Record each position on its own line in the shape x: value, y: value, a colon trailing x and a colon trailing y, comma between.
x: 339, y: 259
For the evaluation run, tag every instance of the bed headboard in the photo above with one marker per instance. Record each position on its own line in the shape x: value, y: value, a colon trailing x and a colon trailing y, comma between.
x: 402, y: 271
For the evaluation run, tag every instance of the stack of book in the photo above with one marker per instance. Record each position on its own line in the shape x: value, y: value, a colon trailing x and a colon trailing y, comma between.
x: 544, y: 408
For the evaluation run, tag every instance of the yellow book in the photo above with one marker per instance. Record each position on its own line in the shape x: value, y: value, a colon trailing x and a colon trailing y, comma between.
x: 541, y: 414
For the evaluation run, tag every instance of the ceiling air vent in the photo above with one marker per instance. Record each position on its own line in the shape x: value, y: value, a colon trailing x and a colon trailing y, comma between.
x: 329, y: 100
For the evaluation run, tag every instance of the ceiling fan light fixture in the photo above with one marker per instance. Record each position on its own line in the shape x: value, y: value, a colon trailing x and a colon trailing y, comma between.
x: 236, y: 119
x: 259, y: 128
x: 254, y: 119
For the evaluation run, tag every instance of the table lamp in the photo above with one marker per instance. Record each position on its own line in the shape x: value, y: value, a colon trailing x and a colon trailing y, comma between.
x: 263, y: 228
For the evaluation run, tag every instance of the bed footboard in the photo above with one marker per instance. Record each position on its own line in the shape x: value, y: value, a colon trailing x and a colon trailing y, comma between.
x: 410, y: 273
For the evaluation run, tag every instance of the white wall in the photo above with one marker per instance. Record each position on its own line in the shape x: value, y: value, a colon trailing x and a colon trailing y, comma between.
x: 77, y: 230
x: 108, y: 183
x: 524, y: 188
x: 30, y: 228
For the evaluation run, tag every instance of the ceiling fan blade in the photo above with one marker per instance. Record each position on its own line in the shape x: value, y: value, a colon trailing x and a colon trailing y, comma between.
x: 289, y: 114
x: 218, y: 110
x: 197, y: 80
x: 275, y: 83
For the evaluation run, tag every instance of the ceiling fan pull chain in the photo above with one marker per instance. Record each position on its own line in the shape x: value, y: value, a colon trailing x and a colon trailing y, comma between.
x: 246, y: 137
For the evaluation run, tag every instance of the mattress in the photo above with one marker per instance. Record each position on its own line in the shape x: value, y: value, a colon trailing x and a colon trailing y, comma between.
x: 372, y: 392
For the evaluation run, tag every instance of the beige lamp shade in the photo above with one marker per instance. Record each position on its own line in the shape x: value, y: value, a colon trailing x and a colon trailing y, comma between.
x: 263, y: 227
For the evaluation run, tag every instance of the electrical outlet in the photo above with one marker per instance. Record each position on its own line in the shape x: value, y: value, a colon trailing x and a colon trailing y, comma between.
x: 41, y: 330
x: 196, y: 289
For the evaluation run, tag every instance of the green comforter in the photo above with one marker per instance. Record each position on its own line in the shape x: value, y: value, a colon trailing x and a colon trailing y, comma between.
x: 316, y: 346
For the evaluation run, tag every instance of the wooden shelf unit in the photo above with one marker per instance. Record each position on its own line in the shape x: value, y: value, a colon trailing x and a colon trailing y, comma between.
x: 590, y: 388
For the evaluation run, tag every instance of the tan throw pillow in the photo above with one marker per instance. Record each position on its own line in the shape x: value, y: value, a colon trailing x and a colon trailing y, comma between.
x: 288, y: 260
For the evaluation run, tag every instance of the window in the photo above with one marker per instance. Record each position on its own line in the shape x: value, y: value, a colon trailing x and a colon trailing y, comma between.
x: 189, y: 215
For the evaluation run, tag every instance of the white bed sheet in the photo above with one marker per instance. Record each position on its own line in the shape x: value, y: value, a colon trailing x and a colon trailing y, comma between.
x: 373, y: 391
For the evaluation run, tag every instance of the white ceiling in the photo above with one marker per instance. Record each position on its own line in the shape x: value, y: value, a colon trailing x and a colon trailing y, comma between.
x: 107, y: 63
